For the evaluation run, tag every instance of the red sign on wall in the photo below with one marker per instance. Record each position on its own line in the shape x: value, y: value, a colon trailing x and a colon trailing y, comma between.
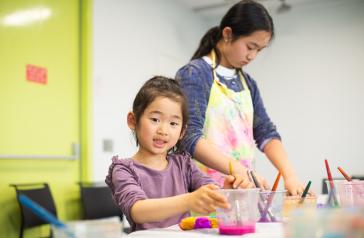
x: 36, y: 74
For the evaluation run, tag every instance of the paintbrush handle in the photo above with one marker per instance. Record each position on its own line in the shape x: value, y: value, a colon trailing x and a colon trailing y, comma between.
x: 255, y: 180
x: 329, y: 176
x: 269, y: 203
x: 331, y: 181
x: 276, y: 182
x: 44, y: 214
x: 346, y: 176
x: 305, y: 192
x: 257, y: 184
x: 40, y: 211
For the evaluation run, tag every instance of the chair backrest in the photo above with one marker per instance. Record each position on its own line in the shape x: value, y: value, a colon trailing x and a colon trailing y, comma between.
x: 41, y: 194
x: 360, y: 177
x: 97, y: 201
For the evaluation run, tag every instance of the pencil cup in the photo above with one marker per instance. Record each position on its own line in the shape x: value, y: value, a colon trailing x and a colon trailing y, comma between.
x: 106, y: 228
x: 240, y: 218
x: 292, y: 203
x: 335, y: 193
x: 270, y: 206
x: 351, y: 193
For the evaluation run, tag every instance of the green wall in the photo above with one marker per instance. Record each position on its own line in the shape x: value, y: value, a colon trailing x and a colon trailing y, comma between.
x: 41, y: 120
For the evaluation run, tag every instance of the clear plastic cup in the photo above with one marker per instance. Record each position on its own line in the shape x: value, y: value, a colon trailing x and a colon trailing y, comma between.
x: 336, y: 183
x: 241, y: 217
x: 351, y: 193
x: 270, y: 206
x: 326, y: 222
x: 106, y: 228
x: 294, y: 202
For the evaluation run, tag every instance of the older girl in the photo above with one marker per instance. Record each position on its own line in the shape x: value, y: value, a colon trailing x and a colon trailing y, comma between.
x: 227, y: 115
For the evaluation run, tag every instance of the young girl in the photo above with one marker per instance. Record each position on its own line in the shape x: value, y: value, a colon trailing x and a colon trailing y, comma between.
x: 158, y: 186
x: 228, y: 118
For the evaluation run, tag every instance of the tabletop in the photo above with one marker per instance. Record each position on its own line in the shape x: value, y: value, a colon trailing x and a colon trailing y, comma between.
x: 266, y: 230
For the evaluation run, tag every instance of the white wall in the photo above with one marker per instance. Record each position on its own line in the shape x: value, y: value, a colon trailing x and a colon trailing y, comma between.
x: 133, y: 41
x: 311, y: 77
x: 312, y: 82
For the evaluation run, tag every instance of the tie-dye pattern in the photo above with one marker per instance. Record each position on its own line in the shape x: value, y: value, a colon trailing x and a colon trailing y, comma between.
x: 229, y: 123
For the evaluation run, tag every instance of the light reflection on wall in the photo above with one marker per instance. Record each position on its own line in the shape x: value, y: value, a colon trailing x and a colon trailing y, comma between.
x: 26, y: 17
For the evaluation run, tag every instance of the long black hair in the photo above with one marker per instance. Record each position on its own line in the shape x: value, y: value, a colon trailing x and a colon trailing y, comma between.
x: 244, y: 18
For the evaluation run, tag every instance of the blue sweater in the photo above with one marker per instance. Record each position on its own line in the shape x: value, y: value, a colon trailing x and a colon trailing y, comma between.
x: 196, y: 79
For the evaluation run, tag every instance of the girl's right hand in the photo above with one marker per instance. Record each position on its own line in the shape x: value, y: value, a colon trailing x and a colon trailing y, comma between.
x: 206, y: 199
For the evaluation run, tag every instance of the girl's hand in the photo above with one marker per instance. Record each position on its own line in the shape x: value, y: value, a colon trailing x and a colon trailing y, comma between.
x: 205, y: 200
x: 293, y: 185
x: 238, y: 176
x: 262, y: 182
x: 237, y: 181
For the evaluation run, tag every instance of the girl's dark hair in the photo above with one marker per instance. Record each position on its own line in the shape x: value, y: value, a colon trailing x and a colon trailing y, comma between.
x: 244, y: 18
x: 160, y: 86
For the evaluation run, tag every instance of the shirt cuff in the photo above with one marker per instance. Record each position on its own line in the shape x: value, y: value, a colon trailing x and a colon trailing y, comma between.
x: 266, y: 141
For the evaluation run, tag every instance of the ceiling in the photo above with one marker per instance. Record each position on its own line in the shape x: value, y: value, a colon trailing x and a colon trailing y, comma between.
x: 212, y: 9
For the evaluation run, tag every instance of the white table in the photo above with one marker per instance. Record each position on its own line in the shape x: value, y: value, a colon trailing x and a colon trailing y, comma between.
x: 266, y: 230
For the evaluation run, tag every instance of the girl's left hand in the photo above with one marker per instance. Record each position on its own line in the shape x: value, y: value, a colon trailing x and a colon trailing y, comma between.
x: 262, y: 182
x: 242, y: 182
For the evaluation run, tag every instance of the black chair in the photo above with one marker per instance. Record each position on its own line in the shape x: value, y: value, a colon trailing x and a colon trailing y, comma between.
x: 41, y: 194
x: 359, y: 177
x: 97, y: 201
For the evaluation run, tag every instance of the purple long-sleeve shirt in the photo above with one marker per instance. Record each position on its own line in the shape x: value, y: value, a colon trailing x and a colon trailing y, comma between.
x: 131, y: 181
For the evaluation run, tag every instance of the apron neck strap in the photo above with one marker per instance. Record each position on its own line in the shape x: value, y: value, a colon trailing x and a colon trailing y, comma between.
x: 213, y: 58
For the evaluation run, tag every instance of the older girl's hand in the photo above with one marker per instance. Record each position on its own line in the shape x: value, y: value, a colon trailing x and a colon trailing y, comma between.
x: 237, y: 181
x: 293, y: 185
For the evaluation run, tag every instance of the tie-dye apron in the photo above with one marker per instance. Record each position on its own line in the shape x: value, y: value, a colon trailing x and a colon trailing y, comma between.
x: 229, y: 122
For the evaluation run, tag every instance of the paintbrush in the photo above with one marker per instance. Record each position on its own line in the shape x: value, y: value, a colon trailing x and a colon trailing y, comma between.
x: 305, y: 192
x: 332, y: 186
x: 346, y: 176
x: 270, y: 198
x: 236, y: 201
x: 257, y: 185
x: 45, y: 215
